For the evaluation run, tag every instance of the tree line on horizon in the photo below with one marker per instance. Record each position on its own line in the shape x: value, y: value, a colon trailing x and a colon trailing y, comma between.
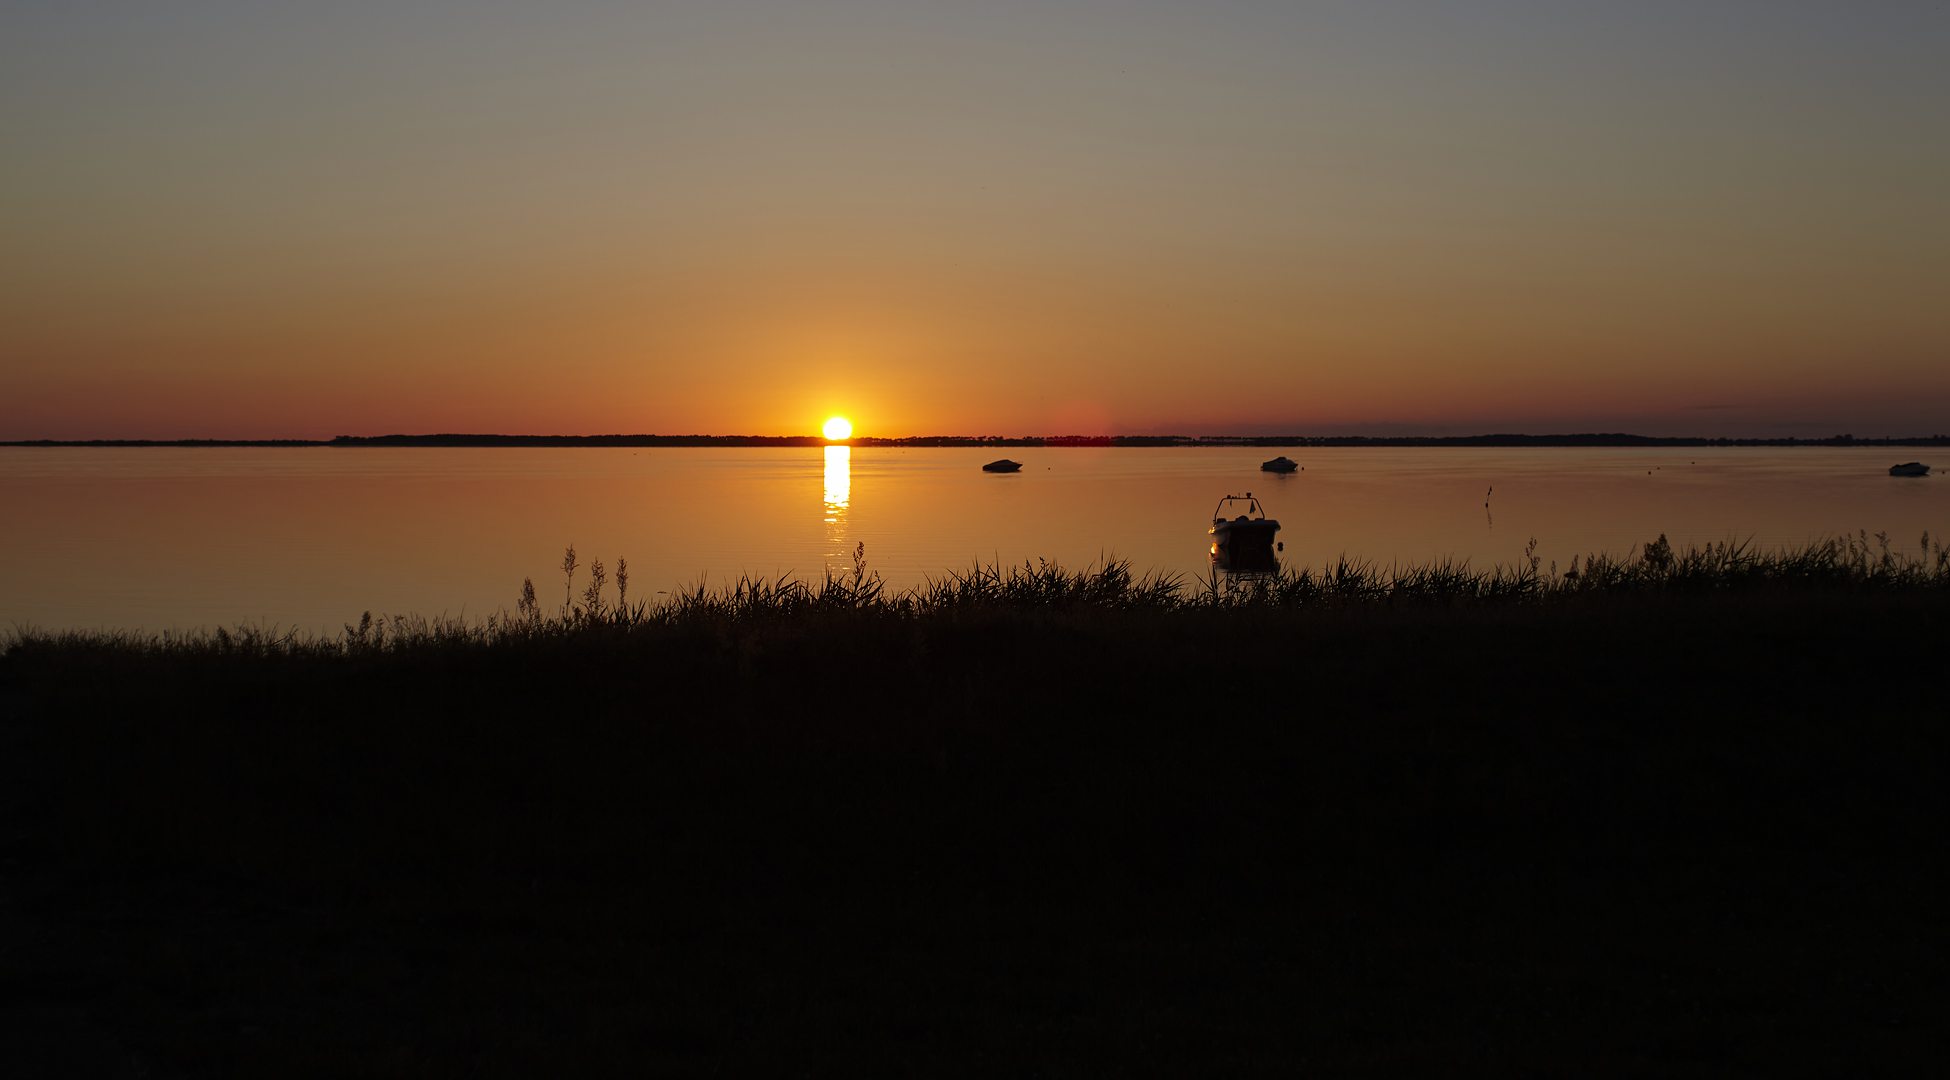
x: 1600, y: 439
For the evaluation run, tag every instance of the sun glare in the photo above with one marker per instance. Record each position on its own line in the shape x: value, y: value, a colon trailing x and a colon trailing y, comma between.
x: 837, y: 428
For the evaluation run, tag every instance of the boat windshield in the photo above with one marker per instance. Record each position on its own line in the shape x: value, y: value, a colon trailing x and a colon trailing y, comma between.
x: 1252, y: 507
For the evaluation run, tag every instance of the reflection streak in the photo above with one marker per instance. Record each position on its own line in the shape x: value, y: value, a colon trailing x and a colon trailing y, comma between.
x: 839, y: 481
x: 839, y: 491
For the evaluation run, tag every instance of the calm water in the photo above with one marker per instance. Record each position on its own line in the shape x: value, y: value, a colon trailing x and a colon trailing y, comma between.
x: 160, y: 538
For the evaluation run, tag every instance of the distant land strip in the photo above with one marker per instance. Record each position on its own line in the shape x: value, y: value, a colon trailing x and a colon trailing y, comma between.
x: 997, y: 440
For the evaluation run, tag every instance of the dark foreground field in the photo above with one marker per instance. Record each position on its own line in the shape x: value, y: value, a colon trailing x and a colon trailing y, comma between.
x: 1649, y: 835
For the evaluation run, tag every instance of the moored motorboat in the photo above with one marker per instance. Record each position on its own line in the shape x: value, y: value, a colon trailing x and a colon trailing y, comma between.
x: 1909, y: 468
x: 1243, y: 543
x: 1279, y: 464
x: 1003, y: 465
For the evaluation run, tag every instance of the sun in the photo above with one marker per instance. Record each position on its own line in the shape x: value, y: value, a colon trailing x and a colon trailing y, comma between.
x: 837, y: 429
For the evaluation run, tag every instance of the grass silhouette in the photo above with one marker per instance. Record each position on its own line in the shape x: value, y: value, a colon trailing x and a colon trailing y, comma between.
x: 1862, y: 565
x: 1667, y: 814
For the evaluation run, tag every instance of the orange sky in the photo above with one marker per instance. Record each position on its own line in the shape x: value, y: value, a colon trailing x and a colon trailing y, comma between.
x: 219, y: 221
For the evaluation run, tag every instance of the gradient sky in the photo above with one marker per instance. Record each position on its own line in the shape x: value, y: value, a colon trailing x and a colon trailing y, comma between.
x: 306, y: 219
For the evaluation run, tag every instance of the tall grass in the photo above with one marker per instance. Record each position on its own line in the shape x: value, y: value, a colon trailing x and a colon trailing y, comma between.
x: 1847, y: 563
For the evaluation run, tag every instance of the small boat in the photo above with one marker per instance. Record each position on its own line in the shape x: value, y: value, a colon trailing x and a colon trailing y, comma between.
x: 1279, y: 464
x: 1909, y: 468
x: 1004, y: 465
x: 1243, y: 543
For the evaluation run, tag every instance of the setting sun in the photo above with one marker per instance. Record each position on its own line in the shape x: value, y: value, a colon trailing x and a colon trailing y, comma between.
x: 838, y: 428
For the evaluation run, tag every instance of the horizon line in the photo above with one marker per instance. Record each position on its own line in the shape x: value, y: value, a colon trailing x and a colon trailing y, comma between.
x: 1502, y: 439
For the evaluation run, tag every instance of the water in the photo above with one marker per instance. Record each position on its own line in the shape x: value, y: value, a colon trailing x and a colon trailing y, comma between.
x: 174, y: 538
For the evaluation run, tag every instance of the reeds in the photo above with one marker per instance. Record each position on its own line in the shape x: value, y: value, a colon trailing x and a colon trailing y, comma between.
x: 1848, y: 563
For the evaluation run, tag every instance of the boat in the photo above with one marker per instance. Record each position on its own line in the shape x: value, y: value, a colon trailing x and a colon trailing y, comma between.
x: 1909, y: 468
x: 1243, y: 544
x: 1279, y: 464
x: 1003, y: 465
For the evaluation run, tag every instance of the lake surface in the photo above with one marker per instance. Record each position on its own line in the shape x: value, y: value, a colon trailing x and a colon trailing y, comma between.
x: 159, y: 538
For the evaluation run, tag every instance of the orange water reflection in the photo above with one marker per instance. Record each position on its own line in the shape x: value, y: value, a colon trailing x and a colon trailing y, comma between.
x: 839, y: 492
x: 312, y: 537
x: 839, y: 481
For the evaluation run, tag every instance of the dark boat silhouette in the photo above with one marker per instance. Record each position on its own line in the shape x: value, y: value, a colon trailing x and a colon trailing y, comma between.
x: 1909, y: 468
x: 1003, y: 465
x: 1279, y: 464
x: 1243, y: 543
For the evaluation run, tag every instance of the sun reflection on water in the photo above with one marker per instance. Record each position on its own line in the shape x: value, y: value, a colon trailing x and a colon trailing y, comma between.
x: 839, y: 481
x: 839, y: 491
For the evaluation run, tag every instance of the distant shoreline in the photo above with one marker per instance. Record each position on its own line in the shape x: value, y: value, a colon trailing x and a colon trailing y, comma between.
x: 1464, y: 441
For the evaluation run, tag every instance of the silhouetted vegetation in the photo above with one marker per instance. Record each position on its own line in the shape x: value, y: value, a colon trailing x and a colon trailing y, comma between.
x: 1860, y: 563
x: 1672, y: 814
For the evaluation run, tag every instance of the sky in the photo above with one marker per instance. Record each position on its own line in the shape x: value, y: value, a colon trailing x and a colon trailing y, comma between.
x: 279, y: 219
